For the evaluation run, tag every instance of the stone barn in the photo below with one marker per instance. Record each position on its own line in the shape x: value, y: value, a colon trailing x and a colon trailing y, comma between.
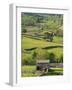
x: 42, y: 65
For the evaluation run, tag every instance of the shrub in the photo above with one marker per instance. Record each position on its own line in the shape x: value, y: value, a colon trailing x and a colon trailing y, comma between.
x: 52, y: 57
x: 34, y: 55
x: 61, y: 59
x: 42, y: 54
x: 24, y: 30
x: 28, y: 60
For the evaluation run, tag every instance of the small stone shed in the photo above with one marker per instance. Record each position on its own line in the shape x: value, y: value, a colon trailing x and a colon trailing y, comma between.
x: 46, y: 65
x: 42, y: 65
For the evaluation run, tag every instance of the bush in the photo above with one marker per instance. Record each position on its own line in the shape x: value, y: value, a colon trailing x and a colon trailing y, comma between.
x: 52, y: 57
x: 34, y: 55
x: 24, y: 30
x: 61, y: 59
x: 42, y: 54
x: 28, y: 60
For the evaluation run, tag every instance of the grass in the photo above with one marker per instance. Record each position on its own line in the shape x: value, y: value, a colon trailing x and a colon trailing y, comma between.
x: 57, y: 69
x: 58, y: 39
x: 36, y: 46
x: 56, y: 51
x: 29, y: 68
x: 30, y: 43
x: 30, y: 71
x: 27, y: 43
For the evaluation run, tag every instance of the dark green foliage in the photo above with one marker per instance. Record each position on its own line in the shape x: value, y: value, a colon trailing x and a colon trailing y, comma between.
x: 28, y: 20
x: 50, y: 70
x: 50, y: 47
x: 46, y: 26
x: 52, y: 57
x: 42, y: 54
x: 51, y: 22
x: 48, y: 36
x: 29, y: 61
x: 61, y: 58
x: 24, y: 30
x: 34, y: 55
x: 59, y: 32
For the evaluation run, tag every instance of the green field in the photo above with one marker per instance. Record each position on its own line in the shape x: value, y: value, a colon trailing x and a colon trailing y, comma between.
x: 58, y: 39
x: 30, y: 43
x: 57, y: 51
x: 30, y: 71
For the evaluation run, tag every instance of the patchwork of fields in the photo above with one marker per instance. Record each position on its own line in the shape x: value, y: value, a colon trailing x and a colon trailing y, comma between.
x: 41, y: 39
x: 30, y: 70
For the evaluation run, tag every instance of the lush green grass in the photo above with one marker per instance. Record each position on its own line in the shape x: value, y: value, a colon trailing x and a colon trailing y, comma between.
x: 30, y: 43
x: 30, y: 71
x: 58, y: 39
x: 57, y: 69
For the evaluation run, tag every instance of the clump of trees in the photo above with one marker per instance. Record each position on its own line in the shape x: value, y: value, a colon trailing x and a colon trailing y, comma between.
x: 52, y: 57
x: 41, y: 55
x: 49, y: 22
x: 24, y: 30
x: 29, y: 60
x: 49, y: 25
x: 48, y: 36
x: 28, y: 21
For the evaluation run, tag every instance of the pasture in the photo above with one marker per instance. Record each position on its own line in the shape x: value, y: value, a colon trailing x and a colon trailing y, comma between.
x: 30, y: 71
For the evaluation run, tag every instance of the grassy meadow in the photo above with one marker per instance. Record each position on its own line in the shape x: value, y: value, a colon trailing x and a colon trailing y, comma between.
x: 30, y: 71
